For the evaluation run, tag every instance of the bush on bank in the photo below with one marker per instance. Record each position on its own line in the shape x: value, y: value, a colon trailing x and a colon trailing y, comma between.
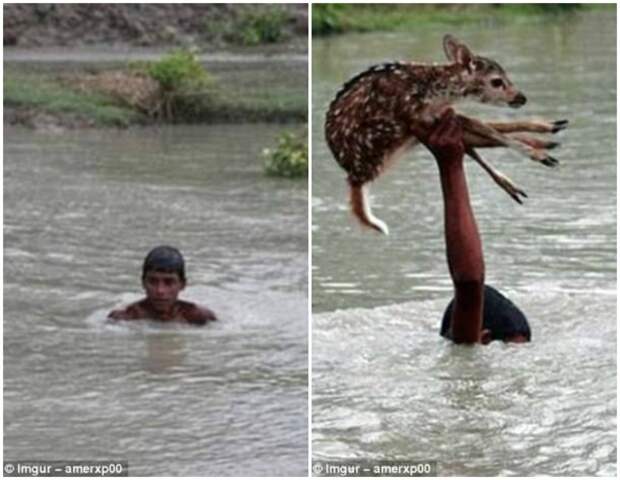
x: 179, y: 74
x: 289, y: 158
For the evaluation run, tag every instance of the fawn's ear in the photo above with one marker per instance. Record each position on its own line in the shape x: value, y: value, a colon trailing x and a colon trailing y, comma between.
x: 457, y: 52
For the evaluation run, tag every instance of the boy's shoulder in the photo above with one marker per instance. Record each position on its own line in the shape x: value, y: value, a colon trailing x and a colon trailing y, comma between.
x: 134, y: 311
x: 194, y: 313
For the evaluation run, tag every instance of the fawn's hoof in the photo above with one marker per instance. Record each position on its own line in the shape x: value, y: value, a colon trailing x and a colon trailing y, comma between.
x: 515, y: 195
x: 549, y: 161
x: 551, y: 145
x: 511, y: 189
x: 559, y: 125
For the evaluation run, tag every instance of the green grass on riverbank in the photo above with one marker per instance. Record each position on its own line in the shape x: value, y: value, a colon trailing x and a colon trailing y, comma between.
x: 234, y: 97
x: 342, y: 18
x: 46, y: 94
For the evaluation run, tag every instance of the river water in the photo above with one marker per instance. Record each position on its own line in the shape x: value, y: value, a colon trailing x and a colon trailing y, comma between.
x: 384, y: 384
x: 81, y: 209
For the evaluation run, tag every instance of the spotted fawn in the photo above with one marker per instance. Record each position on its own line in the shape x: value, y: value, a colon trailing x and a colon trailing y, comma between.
x: 376, y: 115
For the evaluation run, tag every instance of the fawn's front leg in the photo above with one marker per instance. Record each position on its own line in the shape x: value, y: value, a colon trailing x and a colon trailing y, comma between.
x: 529, y: 126
x: 482, y: 141
x: 479, y: 134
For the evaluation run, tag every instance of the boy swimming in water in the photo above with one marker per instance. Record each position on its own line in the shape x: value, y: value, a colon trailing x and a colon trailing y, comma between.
x: 163, y: 278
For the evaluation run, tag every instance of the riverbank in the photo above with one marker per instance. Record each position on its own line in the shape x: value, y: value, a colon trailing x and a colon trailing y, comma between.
x: 78, y: 66
x: 121, y: 94
x: 329, y: 19
x: 160, y: 25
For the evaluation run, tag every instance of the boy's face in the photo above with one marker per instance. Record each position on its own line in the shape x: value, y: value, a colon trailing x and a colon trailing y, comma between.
x: 162, y: 289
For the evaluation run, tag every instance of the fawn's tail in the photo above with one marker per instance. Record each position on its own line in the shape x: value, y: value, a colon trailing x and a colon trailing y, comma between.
x: 361, y: 209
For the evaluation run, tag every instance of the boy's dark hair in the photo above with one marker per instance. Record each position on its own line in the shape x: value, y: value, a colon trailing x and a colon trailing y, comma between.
x: 501, y: 317
x: 164, y: 259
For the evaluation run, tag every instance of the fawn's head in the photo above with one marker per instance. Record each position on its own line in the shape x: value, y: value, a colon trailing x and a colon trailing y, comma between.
x: 485, y: 79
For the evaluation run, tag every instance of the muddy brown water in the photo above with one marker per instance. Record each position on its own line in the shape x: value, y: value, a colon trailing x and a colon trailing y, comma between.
x: 81, y: 209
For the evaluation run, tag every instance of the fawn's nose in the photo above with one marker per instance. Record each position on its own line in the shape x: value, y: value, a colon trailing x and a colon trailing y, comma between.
x: 518, y: 101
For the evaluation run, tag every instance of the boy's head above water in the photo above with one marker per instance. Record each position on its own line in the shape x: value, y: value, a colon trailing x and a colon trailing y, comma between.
x: 164, y: 259
x: 163, y: 279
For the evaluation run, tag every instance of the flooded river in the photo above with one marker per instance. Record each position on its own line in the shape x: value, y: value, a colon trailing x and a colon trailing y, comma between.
x: 81, y: 209
x: 385, y: 385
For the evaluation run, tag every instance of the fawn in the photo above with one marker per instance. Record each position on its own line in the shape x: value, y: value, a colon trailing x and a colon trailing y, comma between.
x: 376, y: 115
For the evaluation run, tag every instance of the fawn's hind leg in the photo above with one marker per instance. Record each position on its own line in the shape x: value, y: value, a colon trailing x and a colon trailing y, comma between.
x: 476, y: 140
x: 502, y: 180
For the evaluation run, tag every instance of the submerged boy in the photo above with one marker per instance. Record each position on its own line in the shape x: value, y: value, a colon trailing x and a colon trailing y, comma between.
x: 163, y: 278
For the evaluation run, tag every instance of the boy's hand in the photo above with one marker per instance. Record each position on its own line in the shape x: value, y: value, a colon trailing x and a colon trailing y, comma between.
x: 445, y: 140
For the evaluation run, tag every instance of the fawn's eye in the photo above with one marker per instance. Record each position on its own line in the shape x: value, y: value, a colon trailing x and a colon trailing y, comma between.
x: 497, y: 83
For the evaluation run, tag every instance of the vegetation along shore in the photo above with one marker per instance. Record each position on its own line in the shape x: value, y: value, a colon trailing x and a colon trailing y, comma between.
x: 338, y: 18
x: 216, y: 63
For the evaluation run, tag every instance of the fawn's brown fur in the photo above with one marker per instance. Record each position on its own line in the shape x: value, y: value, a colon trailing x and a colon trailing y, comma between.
x: 379, y: 113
